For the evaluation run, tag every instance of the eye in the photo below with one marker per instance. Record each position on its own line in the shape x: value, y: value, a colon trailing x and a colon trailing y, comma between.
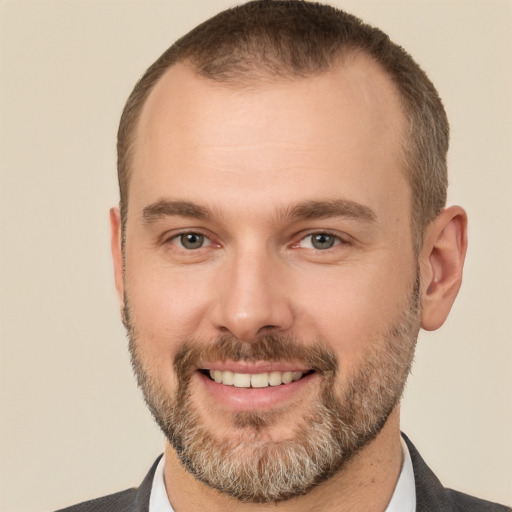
x: 320, y: 241
x: 191, y: 241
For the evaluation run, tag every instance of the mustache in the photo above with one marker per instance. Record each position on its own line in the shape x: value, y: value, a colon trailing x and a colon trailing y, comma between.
x: 268, y: 347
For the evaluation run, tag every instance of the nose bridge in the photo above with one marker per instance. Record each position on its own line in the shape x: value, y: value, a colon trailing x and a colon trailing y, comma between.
x: 252, y: 297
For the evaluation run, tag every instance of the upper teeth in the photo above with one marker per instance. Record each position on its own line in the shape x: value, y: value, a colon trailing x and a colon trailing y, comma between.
x: 255, y: 380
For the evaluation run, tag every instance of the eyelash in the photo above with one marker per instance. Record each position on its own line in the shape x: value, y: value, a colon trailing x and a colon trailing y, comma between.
x: 175, y: 240
x: 337, y: 240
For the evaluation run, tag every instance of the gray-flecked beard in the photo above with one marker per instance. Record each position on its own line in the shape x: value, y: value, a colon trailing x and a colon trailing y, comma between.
x: 252, y: 467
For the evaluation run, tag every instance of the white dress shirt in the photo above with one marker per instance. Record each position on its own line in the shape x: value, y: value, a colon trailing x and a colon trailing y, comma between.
x: 403, y: 499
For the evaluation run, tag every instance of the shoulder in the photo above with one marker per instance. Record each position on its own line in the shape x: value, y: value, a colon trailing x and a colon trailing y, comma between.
x: 432, y: 496
x: 465, y: 503
x: 122, y: 501
x: 131, y: 500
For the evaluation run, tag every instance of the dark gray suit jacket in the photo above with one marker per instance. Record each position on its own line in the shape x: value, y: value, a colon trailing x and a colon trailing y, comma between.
x: 431, y: 496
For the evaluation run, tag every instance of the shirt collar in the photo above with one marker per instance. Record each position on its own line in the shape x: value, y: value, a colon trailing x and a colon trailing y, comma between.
x: 158, y: 500
x: 404, y: 495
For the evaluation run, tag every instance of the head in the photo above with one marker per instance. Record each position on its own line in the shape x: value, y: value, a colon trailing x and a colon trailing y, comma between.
x: 280, y: 241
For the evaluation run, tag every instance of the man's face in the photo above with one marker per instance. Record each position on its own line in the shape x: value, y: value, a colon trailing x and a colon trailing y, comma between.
x: 267, y: 241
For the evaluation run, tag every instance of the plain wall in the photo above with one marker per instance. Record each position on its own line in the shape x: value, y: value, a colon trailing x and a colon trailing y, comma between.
x: 72, y: 423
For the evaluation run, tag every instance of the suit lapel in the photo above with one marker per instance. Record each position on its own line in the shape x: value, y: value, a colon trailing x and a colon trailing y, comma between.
x: 430, y: 493
x: 141, y: 500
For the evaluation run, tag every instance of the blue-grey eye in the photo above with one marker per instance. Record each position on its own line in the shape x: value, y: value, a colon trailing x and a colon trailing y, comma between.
x: 192, y: 240
x: 323, y: 241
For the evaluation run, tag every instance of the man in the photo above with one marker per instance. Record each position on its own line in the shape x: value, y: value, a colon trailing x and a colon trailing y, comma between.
x: 281, y: 238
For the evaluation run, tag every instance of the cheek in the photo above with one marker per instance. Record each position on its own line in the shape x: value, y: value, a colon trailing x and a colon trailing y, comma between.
x: 165, y: 304
x: 353, y: 310
x: 164, y: 311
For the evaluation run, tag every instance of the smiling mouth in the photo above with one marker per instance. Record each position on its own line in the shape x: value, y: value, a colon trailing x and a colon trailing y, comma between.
x: 254, y: 380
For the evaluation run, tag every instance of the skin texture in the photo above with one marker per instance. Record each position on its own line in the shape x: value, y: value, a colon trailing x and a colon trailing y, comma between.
x: 247, y: 156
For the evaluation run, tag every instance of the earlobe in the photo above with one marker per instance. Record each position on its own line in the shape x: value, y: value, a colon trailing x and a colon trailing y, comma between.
x: 441, y: 263
x: 117, y: 253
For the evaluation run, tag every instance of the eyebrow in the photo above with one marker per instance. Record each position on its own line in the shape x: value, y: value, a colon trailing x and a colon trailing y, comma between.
x: 308, y: 210
x: 305, y: 210
x: 167, y: 208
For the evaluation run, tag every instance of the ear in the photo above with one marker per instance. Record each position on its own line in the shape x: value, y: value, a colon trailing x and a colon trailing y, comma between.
x: 441, y: 262
x: 117, y: 253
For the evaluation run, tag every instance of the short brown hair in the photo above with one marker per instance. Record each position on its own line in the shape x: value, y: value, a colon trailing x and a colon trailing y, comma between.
x: 293, y: 39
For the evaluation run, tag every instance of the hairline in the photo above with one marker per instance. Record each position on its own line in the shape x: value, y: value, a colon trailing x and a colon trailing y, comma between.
x: 257, y: 76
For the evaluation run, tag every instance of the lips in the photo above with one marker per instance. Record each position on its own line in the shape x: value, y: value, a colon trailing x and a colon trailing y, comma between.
x: 253, y: 387
x: 254, y: 380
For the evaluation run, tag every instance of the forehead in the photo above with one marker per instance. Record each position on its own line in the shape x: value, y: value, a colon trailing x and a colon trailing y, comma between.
x: 334, y: 133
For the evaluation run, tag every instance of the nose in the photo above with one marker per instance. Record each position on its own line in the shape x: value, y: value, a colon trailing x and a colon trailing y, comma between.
x: 252, y: 297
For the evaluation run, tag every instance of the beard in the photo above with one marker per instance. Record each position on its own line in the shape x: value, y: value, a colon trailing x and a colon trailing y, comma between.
x: 251, y: 466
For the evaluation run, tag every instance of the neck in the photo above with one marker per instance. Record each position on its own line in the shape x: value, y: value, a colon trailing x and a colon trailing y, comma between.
x: 366, y: 483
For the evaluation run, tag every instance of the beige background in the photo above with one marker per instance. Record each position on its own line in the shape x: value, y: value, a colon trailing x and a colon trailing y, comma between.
x: 73, y: 425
